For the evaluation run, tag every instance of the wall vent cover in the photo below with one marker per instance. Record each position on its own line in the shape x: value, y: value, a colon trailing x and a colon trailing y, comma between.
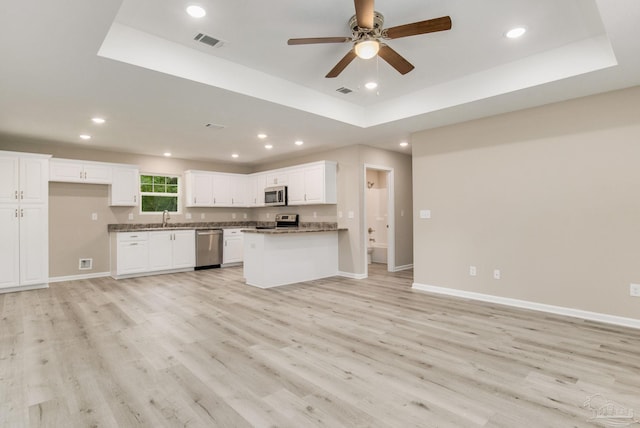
x: 344, y: 90
x: 208, y: 40
x: 85, y: 264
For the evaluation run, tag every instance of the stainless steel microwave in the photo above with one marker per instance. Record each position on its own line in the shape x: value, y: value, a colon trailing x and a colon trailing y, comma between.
x: 275, y: 196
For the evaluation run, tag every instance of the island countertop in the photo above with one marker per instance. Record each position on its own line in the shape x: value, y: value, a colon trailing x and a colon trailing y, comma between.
x: 286, y: 230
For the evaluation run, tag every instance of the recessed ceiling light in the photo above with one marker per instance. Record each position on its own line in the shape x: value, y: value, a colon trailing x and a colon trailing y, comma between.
x: 404, y: 144
x: 167, y: 154
x: 85, y: 137
x: 268, y: 146
x: 196, y: 11
x: 371, y: 85
x: 98, y: 120
x: 299, y: 143
x: 235, y: 155
x: 514, y: 33
x: 262, y: 136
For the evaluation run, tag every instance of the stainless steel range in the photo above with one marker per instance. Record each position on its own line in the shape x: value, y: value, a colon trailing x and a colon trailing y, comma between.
x: 283, y: 221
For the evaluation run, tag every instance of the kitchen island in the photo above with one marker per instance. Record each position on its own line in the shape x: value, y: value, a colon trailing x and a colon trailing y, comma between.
x: 274, y: 257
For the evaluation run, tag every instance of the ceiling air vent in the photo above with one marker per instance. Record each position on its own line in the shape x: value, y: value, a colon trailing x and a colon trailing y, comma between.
x: 215, y: 126
x: 344, y: 90
x: 208, y: 40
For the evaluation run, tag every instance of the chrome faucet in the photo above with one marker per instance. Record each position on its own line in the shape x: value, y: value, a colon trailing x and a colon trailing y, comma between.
x: 165, y: 218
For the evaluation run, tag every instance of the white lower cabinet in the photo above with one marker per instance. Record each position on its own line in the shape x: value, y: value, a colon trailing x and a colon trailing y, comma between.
x: 233, y: 248
x: 172, y: 249
x: 141, y: 253
x: 132, y: 253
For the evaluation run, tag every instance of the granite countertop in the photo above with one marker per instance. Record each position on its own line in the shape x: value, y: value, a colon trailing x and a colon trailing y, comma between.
x: 293, y: 230
x: 247, y: 226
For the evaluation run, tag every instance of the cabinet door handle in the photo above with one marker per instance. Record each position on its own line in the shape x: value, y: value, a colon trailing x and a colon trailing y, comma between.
x: 16, y: 213
x: 133, y: 243
x: 85, y: 175
x: 214, y: 200
x: 80, y: 175
x: 135, y: 198
x: 21, y: 212
x: 16, y: 194
x: 22, y: 194
x: 195, y: 200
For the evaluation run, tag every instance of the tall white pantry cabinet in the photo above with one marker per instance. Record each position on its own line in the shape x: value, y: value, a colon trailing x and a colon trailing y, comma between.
x: 24, y: 221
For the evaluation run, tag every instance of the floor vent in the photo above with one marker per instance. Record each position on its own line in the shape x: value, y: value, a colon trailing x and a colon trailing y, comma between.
x: 344, y: 90
x: 85, y: 264
x: 208, y: 40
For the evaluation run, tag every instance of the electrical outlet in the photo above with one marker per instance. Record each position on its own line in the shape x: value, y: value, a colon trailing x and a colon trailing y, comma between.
x: 339, y: 214
x: 202, y: 216
x: 130, y: 216
x: 315, y: 214
x: 634, y: 290
x: 496, y: 274
x: 94, y: 216
x: 473, y: 271
x: 350, y: 214
x: 244, y: 216
x: 233, y: 215
x: 425, y: 213
x: 187, y: 216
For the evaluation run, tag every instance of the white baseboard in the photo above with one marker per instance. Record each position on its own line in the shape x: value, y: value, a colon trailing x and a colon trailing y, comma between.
x: 403, y: 267
x: 524, y: 304
x: 353, y: 275
x: 23, y: 288
x: 77, y: 277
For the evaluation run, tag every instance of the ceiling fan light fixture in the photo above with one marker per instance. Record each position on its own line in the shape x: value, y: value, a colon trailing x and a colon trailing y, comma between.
x: 367, y: 48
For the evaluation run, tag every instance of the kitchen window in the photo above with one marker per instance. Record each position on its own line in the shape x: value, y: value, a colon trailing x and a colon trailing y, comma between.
x: 159, y: 193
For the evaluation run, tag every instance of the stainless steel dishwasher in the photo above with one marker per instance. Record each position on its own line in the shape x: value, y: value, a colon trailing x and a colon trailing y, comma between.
x: 208, y: 248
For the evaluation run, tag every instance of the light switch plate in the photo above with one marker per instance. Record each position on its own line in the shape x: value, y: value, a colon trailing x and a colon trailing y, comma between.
x: 351, y: 215
x: 94, y: 216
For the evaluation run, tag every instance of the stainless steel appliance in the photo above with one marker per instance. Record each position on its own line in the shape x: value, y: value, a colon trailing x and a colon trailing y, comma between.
x: 283, y: 221
x: 275, y: 196
x: 208, y: 248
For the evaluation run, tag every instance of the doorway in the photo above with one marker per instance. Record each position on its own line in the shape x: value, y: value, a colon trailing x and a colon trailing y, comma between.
x: 378, y: 230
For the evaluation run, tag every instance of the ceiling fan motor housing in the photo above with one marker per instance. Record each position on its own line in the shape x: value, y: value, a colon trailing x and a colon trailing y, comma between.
x: 367, y: 33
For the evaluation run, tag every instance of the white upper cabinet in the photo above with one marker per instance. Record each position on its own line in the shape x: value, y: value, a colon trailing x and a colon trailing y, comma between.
x: 313, y: 183
x: 75, y: 171
x: 125, y: 187
x: 23, y: 179
x: 199, y: 189
x: 211, y: 189
x: 278, y: 177
x: 255, y: 189
x: 222, y: 193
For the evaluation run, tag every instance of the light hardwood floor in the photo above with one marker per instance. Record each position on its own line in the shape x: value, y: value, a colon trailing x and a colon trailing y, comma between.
x: 202, y: 349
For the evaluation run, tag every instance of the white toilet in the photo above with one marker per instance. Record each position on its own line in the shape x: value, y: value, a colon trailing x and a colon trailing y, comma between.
x: 369, y: 252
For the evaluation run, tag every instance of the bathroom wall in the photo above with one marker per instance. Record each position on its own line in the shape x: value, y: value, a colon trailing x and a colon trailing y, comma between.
x: 377, y: 206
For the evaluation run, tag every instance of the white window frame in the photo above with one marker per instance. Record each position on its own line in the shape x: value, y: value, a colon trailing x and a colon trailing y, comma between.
x: 177, y: 195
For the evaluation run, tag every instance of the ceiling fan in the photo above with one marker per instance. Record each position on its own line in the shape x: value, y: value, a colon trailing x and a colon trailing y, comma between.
x: 368, y: 35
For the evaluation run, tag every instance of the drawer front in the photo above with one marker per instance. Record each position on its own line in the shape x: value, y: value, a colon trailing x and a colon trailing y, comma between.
x: 132, y: 236
x: 231, y: 232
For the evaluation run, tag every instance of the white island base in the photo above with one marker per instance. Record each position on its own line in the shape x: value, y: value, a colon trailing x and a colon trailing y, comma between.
x: 273, y: 259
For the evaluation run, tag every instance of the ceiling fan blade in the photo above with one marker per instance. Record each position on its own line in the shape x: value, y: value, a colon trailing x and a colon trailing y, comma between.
x: 422, y: 27
x: 395, y: 60
x: 364, y: 13
x: 346, y: 60
x: 313, y: 40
